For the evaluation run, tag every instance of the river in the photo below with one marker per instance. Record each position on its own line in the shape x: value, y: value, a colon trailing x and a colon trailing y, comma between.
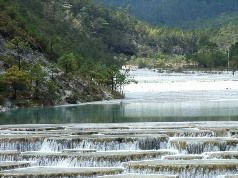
x: 158, y: 96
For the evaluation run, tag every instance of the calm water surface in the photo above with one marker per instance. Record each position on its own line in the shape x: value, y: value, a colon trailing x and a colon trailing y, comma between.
x: 189, y: 96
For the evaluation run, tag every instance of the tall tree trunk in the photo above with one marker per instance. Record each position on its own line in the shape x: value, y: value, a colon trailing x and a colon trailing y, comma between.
x: 14, y: 93
x: 228, y: 59
x: 112, y: 80
x: 51, y: 50
x: 19, y: 62
x: 66, y: 68
x: 36, y: 89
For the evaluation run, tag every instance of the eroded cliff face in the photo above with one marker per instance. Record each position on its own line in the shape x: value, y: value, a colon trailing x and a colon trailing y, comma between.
x: 55, y: 87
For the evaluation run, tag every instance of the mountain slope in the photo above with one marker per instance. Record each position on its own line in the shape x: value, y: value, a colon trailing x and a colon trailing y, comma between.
x: 185, y: 13
x: 70, y: 51
x: 57, y: 51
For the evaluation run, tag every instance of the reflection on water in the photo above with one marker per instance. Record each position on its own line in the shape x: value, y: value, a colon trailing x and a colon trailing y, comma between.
x: 127, y: 112
x: 188, y: 97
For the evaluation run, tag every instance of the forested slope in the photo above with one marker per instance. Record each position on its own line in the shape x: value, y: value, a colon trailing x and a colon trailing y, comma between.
x: 188, y: 31
x: 55, y: 52
x: 177, y: 13
x: 70, y: 51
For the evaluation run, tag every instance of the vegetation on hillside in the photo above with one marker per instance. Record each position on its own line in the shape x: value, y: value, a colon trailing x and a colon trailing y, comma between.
x: 177, y: 13
x: 76, y: 49
x: 210, y: 29
x: 57, y: 51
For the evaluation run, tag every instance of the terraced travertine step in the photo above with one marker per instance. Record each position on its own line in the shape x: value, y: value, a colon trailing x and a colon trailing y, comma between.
x: 182, y: 157
x: 64, y: 132
x: 140, y: 176
x: 172, y: 129
x: 34, y: 142
x: 183, y: 132
x: 198, y: 145
x: 9, y: 155
x: 231, y: 125
x: 32, y: 127
x: 79, y: 151
x: 220, y: 128
x: 192, y: 132
x: 94, y: 159
x: 21, y: 142
x: 186, y: 149
x: 221, y: 155
x: 184, y: 168
x: 47, y: 172
x: 106, y: 142
x: 12, y: 165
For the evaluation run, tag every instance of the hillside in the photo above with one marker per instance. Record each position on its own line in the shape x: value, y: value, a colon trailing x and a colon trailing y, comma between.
x: 177, y: 13
x: 57, y: 52
x: 201, y: 33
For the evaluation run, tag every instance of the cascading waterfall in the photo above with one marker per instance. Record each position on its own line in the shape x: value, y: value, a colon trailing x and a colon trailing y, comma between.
x: 190, y: 173
x: 147, y: 143
x: 200, y: 145
x: 21, y: 144
x: 9, y: 155
x: 194, y: 152
x: 101, y: 159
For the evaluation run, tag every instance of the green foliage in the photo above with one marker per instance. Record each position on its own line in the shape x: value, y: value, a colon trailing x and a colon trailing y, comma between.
x: 68, y: 62
x: 2, y: 90
x: 8, y: 59
x: 51, y: 95
x: 2, y: 84
x: 34, y: 84
x: 116, y: 78
x: 234, y: 56
x: 142, y: 63
x: 177, y: 13
x: 37, y: 76
x: 16, y: 80
x: 20, y: 46
x: 81, y: 27
x: 90, y: 42
x: 210, y: 58
x: 88, y: 30
x: 37, y: 73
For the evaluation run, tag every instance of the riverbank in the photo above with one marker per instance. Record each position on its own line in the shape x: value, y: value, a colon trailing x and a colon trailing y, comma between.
x: 156, y: 96
x: 4, y: 109
x: 167, y: 96
x: 74, y: 102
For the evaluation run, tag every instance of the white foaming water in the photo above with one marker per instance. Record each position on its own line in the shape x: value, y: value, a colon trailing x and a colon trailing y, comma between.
x: 190, y: 94
x: 181, y: 86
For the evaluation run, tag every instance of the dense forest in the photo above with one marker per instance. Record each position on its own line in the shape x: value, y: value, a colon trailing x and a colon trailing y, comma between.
x: 200, y: 33
x: 177, y: 13
x: 55, y: 52
x: 70, y: 51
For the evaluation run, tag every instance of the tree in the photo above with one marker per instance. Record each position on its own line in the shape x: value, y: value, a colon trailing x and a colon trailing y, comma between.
x: 53, y: 41
x: 234, y: 57
x: 120, y: 81
x: 37, y: 75
x: 2, y: 89
x: 68, y: 62
x: 51, y: 95
x: 111, y: 77
x: 116, y: 79
x: 20, y: 46
x: 17, y: 80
